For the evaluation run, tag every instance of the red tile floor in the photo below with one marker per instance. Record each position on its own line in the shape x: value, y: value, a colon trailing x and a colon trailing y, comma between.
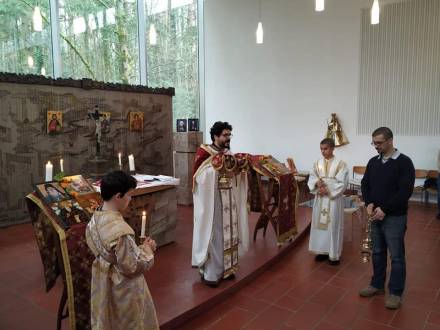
x: 294, y: 293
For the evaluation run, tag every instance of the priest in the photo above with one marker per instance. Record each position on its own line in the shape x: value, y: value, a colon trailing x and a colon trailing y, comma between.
x: 221, y: 231
x: 328, y: 181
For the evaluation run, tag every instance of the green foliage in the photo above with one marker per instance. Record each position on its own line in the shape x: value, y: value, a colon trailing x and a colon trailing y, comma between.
x: 99, y: 40
x: 59, y: 176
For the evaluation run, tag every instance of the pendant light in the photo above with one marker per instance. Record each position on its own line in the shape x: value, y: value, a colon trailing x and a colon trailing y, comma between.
x: 30, y: 61
x: 319, y: 5
x: 259, y: 33
x: 375, y: 12
x: 37, y: 20
x: 152, y: 34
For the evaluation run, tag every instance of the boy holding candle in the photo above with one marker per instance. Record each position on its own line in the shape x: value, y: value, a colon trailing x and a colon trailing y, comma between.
x: 120, y: 298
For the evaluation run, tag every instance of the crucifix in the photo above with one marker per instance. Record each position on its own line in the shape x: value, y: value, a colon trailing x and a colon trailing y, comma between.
x: 98, y: 118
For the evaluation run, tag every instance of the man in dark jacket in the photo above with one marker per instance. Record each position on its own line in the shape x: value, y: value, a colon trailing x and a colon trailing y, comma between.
x: 386, y: 188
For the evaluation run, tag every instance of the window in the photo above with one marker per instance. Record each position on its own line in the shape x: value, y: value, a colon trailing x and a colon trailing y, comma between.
x: 25, y: 39
x: 99, y: 40
x: 172, y: 52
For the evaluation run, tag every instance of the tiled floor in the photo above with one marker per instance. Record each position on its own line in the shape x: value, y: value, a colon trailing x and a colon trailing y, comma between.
x: 295, y: 293
x: 299, y: 293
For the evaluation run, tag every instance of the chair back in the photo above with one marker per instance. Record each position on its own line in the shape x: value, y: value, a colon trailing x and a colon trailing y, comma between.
x: 421, y: 176
x: 359, y: 170
x: 432, y: 174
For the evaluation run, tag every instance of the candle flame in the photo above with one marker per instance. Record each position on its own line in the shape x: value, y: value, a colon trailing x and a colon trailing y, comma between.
x: 144, y: 213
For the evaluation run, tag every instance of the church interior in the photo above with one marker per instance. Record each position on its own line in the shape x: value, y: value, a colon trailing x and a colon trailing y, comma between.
x: 285, y: 158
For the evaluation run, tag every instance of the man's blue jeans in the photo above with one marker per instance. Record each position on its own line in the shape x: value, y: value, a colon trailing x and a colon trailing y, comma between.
x: 389, y: 234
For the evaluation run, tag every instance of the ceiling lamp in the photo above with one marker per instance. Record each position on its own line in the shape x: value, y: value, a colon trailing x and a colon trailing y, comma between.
x: 30, y: 61
x: 37, y: 20
x: 375, y: 12
x: 259, y: 33
x: 319, y: 5
x: 152, y: 35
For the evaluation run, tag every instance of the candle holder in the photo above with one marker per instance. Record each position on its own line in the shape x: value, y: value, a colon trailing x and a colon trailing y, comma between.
x: 142, y: 239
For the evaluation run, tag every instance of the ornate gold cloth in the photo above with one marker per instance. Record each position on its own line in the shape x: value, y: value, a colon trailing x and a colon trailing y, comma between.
x: 120, y: 298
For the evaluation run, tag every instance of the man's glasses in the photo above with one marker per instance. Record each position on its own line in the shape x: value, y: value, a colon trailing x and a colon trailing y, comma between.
x: 227, y: 135
x: 378, y: 143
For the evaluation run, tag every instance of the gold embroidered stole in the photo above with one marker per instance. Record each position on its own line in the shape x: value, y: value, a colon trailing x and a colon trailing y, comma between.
x: 325, y: 169
x: 230, y: 230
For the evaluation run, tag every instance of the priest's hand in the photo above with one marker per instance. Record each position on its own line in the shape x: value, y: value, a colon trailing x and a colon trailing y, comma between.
x: 378, y: 214
x: 151, y: 243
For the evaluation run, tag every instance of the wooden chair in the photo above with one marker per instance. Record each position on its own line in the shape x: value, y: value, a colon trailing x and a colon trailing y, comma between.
x: 421, y: 176
x: 432, y: 174
x: 355, y: 181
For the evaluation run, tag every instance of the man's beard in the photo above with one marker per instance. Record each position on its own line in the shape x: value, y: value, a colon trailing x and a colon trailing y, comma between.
x: 225, y: 145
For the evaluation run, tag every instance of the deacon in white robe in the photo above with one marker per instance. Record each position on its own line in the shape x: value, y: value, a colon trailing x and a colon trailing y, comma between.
x: 221, y: 231
x: 328, y: 180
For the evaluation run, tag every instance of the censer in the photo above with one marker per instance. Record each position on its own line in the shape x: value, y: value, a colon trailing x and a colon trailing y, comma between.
x: 367, y: 242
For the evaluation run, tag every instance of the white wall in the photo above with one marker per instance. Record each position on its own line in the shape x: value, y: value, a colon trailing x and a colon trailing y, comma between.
x: 278, y: 95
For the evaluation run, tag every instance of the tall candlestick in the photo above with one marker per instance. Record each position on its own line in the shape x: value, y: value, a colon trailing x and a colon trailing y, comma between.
x: 144, y: 223
x: 120, y: 159
x: 131, y: 163
x: 49, y: 171
x: 61, y: 165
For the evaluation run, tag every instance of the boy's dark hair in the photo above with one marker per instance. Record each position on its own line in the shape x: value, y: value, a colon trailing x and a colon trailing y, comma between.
x: 218, y: 128
x: 329, y: 142
x: 385, y: 131
x: 116, y: 182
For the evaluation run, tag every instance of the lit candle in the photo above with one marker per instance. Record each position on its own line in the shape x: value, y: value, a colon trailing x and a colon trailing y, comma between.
x: 144, y: 223
x: 49, y: 171
x: 131, y: 163
x: 120, y: 159
x: 61, y: 165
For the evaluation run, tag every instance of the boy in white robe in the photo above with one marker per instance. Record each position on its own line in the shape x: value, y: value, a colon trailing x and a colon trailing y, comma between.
x: 120, y: 298
x: 328, y: 181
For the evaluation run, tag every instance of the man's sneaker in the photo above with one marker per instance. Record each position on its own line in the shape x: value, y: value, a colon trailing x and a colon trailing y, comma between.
x: 393, y: 302
x: 370, y: 291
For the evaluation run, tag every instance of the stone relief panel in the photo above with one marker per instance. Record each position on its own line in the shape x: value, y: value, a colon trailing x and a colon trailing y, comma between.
x: 26, y: 146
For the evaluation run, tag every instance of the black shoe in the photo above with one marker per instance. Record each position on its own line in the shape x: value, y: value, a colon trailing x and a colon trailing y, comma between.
x: 334, y: 262
x: 321, y: 257
x: 211, y: 284
x: 438, y: 216
x: 230, y: 277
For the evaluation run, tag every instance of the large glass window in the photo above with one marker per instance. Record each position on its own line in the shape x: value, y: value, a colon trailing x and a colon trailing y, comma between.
x: 25, y: 39
x: 99, y: 40
x: 172, y: 52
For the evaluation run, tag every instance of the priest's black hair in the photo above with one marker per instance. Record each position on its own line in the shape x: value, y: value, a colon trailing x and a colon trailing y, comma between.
x: 218, y: 127
x: 116, y: 182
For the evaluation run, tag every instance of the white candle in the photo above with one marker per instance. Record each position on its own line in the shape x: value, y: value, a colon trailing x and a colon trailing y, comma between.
x: 61, y: 165
x: 120, y: 159
x: 144, y: 223
x: 49, y: 171
x: 131, y: 163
